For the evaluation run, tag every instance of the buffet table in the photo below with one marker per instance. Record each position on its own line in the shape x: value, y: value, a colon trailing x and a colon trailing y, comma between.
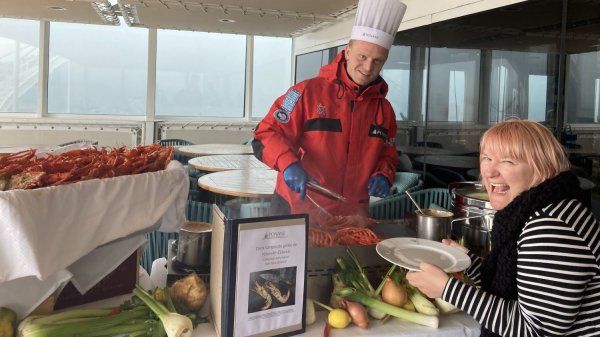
x: 254, y: 183
x: 226, y: 162
x: 212, y: 149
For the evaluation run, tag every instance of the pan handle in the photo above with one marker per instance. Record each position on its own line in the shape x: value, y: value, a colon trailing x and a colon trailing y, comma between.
x: 468, y: 217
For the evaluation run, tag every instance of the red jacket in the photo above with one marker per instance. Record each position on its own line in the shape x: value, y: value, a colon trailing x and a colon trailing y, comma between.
x: 340, y: 135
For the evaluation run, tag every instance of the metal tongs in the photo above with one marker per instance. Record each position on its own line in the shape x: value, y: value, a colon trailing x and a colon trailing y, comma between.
x: 325, y: 191
x: 321, y: 208
x: 314, y: 186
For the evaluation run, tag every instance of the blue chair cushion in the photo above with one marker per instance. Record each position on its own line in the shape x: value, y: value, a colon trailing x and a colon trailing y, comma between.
x: 405, y: 180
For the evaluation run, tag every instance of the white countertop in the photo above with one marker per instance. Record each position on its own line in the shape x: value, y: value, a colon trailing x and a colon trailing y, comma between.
x: 452, y: 325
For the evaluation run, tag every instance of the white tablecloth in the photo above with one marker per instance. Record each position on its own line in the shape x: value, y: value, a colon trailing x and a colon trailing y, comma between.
x: 46, y: 231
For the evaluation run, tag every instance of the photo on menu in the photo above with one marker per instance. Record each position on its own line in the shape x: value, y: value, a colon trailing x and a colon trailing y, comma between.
x: 271, y: 289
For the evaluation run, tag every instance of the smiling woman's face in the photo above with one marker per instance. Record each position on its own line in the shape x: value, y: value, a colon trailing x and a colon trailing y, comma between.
x: 504, y: 178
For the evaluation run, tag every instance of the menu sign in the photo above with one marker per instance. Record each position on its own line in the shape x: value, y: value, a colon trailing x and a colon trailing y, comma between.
x: 258, y: 275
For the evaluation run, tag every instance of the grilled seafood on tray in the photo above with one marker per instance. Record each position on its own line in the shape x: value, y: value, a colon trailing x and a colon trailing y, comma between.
x: 343, y: 230
x: 24, y: 170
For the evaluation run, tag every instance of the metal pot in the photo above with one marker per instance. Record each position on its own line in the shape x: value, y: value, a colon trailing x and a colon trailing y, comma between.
x: 433, y: 224
x: 193, y: 246
x: 475, y: 216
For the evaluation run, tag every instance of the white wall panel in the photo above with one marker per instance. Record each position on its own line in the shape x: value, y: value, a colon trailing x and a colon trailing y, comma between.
x: 46, y: 133
x: 207, y: 132
x: 418, y: 13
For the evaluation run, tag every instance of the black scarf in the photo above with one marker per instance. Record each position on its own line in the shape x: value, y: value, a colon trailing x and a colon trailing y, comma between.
x: 499, y: 273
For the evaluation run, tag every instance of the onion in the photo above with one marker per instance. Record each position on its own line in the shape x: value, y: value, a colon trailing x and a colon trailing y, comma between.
x: 394, y: 294
x: 310, y: 316
x: 358, y: 313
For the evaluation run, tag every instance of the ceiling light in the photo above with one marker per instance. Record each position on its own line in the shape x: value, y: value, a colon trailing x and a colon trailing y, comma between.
x: 106, y: 12
x: 130, y: 14
x: 227, y: 21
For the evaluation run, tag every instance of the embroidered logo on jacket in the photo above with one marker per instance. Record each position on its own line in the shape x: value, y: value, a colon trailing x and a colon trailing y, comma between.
x: 282, y: 116
x: 290, y: 100
x: 321, y: 109
x: 378, y: 131
x: 288, y: 104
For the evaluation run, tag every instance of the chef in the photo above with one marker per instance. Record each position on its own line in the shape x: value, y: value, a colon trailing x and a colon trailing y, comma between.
x: 336, y: 130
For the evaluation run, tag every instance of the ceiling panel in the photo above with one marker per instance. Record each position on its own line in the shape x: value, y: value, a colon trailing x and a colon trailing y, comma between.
x: 255, y: 17
x: 80, y: 11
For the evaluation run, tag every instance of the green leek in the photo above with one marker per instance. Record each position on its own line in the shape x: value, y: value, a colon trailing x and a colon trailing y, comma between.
x: 356, y: 296
x: 175, y: 325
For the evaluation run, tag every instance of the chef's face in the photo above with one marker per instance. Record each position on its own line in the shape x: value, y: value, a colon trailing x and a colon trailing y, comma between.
x: 364, y: 61
x: 504, y: 178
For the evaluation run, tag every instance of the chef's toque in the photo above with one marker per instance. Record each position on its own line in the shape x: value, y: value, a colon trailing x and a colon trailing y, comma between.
x: 377, y: 21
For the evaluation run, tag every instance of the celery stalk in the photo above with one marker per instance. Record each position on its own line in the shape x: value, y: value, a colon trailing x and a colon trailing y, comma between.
x: 69, y: 328
x: 143, y: 328
x: 68, y: 315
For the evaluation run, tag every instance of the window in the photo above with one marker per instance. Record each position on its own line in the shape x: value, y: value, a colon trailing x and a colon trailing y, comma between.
x: 200, y: 74
x: 597, y: 101
x: 396, y: 73
x: 97, y: 70
x: 308, y: 65
x: 453, y: 85
x: 536, y: 105
x: 498, y: 94
x: 272, y: 72
x: 456, y: 96
x: 581, y: 97
x: 19, y: 65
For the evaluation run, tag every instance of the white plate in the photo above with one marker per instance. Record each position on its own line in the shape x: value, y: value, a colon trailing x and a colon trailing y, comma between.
x: 410, y: 252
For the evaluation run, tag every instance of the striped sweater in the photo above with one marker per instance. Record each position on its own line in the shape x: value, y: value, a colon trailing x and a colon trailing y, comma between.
x: 558, y: 278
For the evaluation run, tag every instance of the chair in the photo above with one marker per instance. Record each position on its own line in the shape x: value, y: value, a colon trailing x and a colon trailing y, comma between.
x: 404, y: 163
x: 174, y: 142
x: 405, y: 181
x: 254, y: 209
x: 177, y: 142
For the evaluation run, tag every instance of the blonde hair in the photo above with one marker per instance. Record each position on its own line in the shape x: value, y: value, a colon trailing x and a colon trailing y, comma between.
x: 530, y: 142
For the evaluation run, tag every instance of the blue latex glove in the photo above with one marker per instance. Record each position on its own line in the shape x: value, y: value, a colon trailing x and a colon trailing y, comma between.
x: 378, y: 186
x: 295, y: 177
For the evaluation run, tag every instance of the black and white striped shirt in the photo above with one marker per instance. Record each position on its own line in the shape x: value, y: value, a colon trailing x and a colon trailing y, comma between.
x: 558, y: 279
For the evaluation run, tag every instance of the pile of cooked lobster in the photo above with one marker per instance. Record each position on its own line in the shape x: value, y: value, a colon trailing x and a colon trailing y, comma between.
x: 25, y: 170
x: 343, y: 230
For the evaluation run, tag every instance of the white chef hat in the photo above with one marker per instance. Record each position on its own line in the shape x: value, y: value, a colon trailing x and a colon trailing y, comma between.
x: 377, y: 21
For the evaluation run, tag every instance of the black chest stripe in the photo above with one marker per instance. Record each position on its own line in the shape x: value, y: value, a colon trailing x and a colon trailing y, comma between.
x: 323, y: 124
x: 378, y: 131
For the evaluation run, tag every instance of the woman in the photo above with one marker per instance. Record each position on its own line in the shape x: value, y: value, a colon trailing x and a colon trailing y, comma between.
x: 542, y: 277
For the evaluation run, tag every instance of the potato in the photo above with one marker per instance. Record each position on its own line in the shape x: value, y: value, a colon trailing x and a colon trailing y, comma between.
x: 190, y: 291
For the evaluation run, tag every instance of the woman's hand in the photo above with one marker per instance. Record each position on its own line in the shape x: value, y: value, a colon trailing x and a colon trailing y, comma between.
x: 431, y: 280
x: 453, y: 243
